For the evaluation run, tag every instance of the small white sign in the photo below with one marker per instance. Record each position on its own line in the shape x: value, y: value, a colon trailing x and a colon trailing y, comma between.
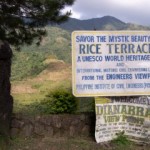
x: 128, y: 115
x: 111, y: 63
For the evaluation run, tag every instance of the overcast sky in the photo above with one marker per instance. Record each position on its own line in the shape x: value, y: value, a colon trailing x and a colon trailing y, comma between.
x: 133, y: 11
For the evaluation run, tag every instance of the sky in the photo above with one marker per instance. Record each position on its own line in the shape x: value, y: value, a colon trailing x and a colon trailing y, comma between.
x: 129, y: 11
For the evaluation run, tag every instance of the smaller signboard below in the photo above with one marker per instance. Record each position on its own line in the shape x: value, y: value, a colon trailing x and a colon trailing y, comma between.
x: 130, y: 115
x: 111, y: 63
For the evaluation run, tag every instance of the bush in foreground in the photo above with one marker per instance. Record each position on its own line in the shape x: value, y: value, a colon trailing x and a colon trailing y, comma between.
x: 59, y: 101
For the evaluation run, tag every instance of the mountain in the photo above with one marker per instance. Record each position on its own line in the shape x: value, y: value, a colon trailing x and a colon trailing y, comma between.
x: 104, y: 23
x: 57, y: 44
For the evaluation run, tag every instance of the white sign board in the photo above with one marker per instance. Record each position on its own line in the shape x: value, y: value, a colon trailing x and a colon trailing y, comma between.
x: 130, y: 115
x: 111, y: 63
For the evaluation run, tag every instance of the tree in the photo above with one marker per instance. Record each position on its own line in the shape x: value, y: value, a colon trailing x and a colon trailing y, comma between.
x: 20, y: 23
x: 21, y: 20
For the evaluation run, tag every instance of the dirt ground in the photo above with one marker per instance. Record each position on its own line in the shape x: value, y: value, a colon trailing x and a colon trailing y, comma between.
x: 62, y: 143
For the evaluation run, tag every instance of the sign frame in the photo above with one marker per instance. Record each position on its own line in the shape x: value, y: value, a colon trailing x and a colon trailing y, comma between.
x: 107, y: 93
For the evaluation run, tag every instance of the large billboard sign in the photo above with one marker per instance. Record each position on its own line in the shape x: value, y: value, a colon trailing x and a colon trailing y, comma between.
x: 111, y: 63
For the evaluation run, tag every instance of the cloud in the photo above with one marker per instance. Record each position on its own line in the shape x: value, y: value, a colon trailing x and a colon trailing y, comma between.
x: 74, y: 14
x: 135, y: 11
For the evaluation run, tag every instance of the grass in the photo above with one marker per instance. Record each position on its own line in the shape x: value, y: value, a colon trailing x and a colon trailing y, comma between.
x: 122, y: 142
x: 27, y: 64
x: 30, y: 103
x: 27, y: 103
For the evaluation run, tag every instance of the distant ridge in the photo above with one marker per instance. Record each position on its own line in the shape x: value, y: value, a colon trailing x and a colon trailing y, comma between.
x: 103, y: 23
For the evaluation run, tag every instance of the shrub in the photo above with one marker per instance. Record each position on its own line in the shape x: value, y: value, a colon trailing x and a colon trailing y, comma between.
x: 59, y: 101
x: 122, y: 141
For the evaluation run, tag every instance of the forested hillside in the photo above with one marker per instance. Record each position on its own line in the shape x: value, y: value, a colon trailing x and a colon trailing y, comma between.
x: 30, y: 61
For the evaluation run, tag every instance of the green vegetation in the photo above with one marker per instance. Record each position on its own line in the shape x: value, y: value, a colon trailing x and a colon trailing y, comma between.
x: 121, y: 139
x: 56, y: 43
x: 29, y: 62
x: 59, y: 101
x: 30, y: 103
x: 40, y: 101
x: 122, y: 142
x: 30, y: 96
x: 35, y: 104
x: 22, y: 21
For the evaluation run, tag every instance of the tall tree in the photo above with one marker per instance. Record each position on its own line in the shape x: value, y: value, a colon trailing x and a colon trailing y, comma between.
x: 21, y: 20
x: 20, y: 23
